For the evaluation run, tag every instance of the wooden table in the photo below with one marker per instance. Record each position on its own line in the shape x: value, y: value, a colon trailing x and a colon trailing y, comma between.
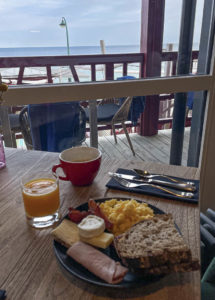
x: 28, y: 268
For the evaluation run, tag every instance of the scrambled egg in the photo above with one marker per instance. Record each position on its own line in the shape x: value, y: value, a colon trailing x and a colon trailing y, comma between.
x: 123, y: 214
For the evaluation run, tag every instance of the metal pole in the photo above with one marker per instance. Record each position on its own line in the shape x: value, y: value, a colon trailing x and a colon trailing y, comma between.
x: 67, y: 37
x: 183, y: 67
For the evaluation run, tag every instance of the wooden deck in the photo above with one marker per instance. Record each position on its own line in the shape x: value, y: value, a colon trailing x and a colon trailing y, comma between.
x: 155, y: 148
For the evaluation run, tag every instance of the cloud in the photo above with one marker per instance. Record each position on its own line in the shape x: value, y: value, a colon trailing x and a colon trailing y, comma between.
x: 96, y: 10
x: 88, y: 21
x: 13, y: 5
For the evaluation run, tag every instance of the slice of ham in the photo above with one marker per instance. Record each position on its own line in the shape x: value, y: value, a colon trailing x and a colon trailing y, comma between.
x: 98, y: 263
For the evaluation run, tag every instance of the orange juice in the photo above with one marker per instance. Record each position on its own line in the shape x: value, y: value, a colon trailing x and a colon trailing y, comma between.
x: 41, y: 197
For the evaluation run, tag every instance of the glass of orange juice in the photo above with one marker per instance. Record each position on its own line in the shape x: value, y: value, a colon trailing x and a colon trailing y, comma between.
x: 40, y: 192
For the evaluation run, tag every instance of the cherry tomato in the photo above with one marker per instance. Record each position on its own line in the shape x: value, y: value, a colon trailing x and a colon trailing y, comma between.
x: 76, y: 215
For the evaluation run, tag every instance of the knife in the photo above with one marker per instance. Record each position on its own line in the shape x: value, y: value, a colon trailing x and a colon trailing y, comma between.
x: 178, y: 186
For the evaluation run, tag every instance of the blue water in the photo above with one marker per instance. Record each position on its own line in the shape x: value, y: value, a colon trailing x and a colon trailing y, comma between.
x: 56, y: 51
x: 78, y: 50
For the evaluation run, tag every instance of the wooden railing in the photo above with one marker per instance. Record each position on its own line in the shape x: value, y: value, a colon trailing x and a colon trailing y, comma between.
x: 109, y: 61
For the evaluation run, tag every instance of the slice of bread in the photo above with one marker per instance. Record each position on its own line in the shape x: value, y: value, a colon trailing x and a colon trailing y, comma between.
x: 168, y: 268
x: 152, y: 243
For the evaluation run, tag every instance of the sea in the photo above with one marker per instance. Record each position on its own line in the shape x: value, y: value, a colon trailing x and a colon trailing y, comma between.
x: 76, y: 50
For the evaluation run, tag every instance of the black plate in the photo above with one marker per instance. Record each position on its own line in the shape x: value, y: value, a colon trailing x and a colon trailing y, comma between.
x: 74, y: 268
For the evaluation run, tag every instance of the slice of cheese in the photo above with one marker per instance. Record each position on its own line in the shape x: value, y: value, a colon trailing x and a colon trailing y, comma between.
x: 67, y: 233
x: 101, y: 241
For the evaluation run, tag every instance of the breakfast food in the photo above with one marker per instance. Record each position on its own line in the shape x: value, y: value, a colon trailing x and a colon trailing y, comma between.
x: 125, y: 213
x: 91, y: 226
x: 95, y: 209
x: 154, y: 246
x: 67, y: 234
x: 168, y: 268
x: 103, y: 266
x: 76, y: 215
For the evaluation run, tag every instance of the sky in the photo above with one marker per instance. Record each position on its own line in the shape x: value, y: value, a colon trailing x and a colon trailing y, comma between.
x: 33, y: 23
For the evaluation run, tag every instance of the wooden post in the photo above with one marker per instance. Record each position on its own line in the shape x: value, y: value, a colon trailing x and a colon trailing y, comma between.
x: 183, y: 67
x: 169, y: 63
x: 6, y: 126
x: 152, y: 23
x: 102, y: 45
x: 93, y: 124
x: 169, y: 68
x: 199, y: 103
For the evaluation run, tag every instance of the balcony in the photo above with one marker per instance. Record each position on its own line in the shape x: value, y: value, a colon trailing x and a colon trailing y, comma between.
x: 48, y: 69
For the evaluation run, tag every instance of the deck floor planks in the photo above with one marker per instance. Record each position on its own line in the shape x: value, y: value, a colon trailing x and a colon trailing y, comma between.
x: 154, y: 148
x: 121, y: 148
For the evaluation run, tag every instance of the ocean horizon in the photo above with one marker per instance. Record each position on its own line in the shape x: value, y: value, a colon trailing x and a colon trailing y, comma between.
x: 75, y: 50
x: 58, y: 51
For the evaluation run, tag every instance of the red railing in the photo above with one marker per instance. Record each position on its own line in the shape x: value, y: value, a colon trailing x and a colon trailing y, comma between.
x: 108, y: 61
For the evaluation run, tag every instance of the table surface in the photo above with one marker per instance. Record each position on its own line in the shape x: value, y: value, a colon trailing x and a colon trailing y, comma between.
x: 28, y: 267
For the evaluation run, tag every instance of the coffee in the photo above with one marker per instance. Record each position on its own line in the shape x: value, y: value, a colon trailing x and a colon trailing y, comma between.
x: 79, y: 160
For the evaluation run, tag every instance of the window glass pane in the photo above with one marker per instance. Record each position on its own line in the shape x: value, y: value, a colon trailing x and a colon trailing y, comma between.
x: 57, y: 126
x: 144, y: 40
x: 125, y: 39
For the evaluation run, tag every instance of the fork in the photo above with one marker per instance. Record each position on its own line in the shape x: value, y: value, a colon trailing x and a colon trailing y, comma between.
x: 146, y: 174
x: 129, y: 184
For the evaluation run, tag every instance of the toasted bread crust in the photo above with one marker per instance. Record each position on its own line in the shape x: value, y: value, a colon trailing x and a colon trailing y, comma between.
x: 167, y: 269
x: 152, y: 243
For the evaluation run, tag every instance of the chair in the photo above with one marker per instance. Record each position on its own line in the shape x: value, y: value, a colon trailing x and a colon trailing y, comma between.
x: 208, y: 282
x: 190, y: 96
x: 25, y: 127
x: 112, y: 113
x: 53, y: 127
x: 207, y: 231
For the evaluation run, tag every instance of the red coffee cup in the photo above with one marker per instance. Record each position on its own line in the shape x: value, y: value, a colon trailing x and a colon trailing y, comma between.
x: 79, y: 164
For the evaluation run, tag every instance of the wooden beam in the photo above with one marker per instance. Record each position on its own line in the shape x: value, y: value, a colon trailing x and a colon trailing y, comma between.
x: 21, y: 73
x: 49, y: 74
x: 6, y: 130
x: 48, y: 93
x: 152, y: 23
x: 74, y: 73
x: 207, y: 158
x: 199, y: 101
x: 93, y: 124
x: 183, y: 67
x: 109, y: 71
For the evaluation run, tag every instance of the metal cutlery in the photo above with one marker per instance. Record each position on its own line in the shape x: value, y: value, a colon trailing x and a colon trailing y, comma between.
x: 175, y: 185
x: 129, y: 184
x: 146, y: 174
